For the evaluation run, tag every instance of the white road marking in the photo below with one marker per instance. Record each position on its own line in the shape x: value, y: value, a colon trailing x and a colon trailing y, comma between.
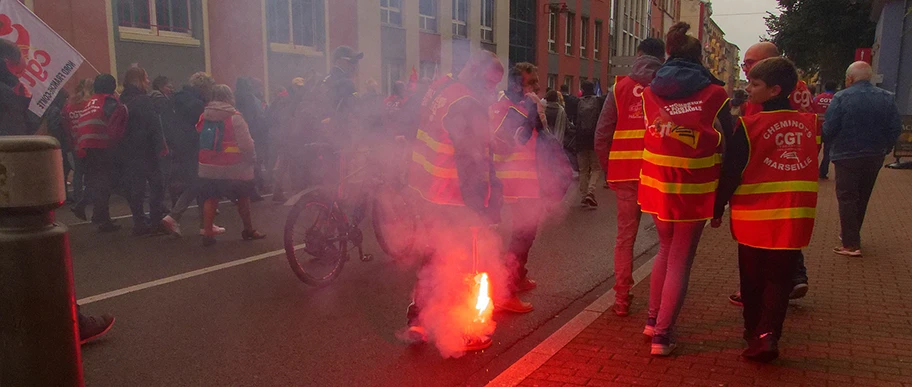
x: 537, y: 357
x: 180, y: 277
x: 130, y: 216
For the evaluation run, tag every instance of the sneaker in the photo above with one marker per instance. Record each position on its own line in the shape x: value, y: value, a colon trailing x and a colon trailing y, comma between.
x: 526, y: 285
x: 515, y: 305
x: 799, y: 291
x: 650, y: 328
x: 590, y: 200
x: 413, y: 335
x: 584, y: 204
x: 847, y: 251
x: 736, y: 299
x: 91, y: 328
x: 621, y: 306
x: 171, y: 225
x: 662, y: 346
x: 763, y: 349
x: 108, y: 227
x: 215, y: 230
x: 476, y: 343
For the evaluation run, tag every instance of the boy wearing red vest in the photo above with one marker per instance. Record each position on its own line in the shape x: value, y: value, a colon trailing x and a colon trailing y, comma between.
x: 770, y: 177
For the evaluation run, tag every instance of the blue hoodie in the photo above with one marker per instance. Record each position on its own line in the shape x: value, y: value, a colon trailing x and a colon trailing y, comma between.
x: 680, y: 78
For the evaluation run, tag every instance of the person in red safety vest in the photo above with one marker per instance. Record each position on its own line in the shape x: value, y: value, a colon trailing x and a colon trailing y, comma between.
x: 452, y: 176
x: 821, y: 103
x: 516, y: 164
x: 96, y: 126
x: 770, y: 177
x: 619, y: 145
x: 799, y: 100
x: 687, y: 115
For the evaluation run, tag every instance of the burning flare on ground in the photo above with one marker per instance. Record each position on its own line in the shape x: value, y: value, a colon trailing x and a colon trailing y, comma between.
x: 483, y: 298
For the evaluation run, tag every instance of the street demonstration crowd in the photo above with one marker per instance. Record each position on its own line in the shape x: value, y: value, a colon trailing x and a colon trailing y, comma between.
x: 669, y: 139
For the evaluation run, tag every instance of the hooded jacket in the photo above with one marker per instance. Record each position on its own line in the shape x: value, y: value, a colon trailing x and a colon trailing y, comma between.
x: 189, y: 105
x: 143, y: 141
x: 644, y: 70
x: 222, y: 111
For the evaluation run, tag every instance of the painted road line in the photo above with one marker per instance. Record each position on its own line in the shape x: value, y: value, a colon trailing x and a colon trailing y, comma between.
x: 130, y: 216
x: 537, y: 357
x: 180, y: 277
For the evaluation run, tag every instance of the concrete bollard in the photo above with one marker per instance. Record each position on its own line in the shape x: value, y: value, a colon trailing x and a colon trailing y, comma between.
x: 39, y: 338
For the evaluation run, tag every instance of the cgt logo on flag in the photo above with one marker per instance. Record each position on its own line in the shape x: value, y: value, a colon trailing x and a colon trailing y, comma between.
x: 49, y: 60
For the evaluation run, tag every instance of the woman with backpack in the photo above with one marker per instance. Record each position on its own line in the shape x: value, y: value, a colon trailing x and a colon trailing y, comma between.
x: 226, y: 161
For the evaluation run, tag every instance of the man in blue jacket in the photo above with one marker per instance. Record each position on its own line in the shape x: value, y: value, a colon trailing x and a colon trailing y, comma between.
x: 862, y: 125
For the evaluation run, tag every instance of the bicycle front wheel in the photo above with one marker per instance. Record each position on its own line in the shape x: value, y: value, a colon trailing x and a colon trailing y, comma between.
x: 394, y: 222
x: 314, y: 242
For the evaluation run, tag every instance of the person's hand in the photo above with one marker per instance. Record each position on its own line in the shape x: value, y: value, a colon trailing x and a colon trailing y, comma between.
x: 716, y: 222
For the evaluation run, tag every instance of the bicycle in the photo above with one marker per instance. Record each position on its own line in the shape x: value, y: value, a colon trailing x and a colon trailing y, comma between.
x: 320, y: 235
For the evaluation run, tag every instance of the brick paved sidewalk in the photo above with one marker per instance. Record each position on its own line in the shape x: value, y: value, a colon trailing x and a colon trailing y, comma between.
x: 853, y: 328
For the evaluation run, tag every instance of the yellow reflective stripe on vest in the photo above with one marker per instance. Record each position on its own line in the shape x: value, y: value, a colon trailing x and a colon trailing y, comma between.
x: 446, y: 173
x: 515, y: 157
x: 517, y: 175
x: 232, y: 149
x: 774, y: 214
x: 679, y: 188
x: 437, y: 146
x: 776, y: 187
x: 93, y: 136
x: 682, y: 162
x: 627, y: 134
x: 819, y: 140
x: 625, y: 155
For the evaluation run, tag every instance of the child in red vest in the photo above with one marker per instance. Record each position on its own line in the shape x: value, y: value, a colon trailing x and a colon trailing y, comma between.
x: 770, y: 178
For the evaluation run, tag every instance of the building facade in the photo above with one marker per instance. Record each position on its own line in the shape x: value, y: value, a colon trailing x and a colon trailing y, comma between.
x: 665, y: 13
x: 696, y: 13
x: 568, y: 41
x: 277, y: 40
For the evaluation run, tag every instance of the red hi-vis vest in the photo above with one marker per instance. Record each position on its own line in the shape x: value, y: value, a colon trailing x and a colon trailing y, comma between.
x: 681, y: 155
x: 775, y: 205
x: 515, y: 166
x: 89, y: 126
x: 432, y: 172
x: 627, y: 145
x: 218, y: 144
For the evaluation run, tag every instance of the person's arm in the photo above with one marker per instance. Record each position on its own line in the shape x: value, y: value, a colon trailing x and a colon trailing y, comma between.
x: 895, y: 126
x: 832, y: 121
x: 604, y: 129
x: 243, y: 138
x: 736, y: 157
x: 467, y: 122
x: 117, y: 116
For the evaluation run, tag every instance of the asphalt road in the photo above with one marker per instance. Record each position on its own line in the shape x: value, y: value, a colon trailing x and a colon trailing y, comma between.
x: 256, y: 324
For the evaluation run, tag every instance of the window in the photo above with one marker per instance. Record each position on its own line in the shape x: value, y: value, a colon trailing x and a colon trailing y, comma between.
x: 568, y: 37
x: 427, y: 70
x: 392, y: 72
x: 427, y: 15
x: 568, y: 81
x: 552, y: 81
x: 598, y: 40
x: 155, y: 16
x: 584, y: 35
x: 552, y: 32
x: 391, y: 12
x: 295, y: 23
x: 461, y: 18
x: 523, y: 30
x: 487, y: 21
x: 581, y: 80
x: 598, y: 86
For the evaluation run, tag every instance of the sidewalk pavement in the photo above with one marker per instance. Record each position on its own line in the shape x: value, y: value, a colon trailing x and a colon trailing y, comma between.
x: 853, y: 328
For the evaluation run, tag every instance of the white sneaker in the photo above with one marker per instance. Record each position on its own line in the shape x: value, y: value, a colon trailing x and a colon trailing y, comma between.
x: 216, y: 230
x: 171, y: 225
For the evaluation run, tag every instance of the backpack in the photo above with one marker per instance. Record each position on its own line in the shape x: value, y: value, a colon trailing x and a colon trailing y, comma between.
x: 590, y: 108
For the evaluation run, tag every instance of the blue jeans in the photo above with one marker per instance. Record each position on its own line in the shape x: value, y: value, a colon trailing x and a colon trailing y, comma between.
x: 628, y: 223
x: 671, y: 271
x: 825, y: 160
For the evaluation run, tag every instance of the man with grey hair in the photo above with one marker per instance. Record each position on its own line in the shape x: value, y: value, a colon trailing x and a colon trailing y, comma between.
x: 862, y: 124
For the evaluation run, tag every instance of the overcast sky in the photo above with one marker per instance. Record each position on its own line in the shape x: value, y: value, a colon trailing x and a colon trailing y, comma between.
x: 742, y: 20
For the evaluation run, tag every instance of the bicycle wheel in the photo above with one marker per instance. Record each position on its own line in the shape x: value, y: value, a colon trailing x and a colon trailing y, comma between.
x: 314, y: 242
x: 394, y: 223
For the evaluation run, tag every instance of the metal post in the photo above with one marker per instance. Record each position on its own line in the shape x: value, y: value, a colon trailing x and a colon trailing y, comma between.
x: 39, y: 343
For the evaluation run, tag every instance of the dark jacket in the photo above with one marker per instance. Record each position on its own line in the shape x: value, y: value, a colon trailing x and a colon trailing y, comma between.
x: 164, y: 108
x: 571, y: 106
x: 643, y: 72
x: 189, y: 105
x: 15, y: 118
x: 861, y: 121
x: 143, y: 141
x: 251, y: 109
